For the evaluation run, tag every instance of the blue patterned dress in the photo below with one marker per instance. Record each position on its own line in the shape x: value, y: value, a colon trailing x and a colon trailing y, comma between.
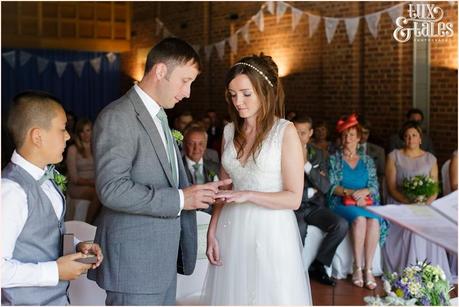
x: 362, y: 176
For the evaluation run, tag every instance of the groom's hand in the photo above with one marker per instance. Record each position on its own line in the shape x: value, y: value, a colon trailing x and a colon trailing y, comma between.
x: 200, y: 196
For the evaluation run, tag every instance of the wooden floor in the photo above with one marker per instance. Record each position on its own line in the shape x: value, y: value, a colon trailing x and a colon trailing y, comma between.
x: 346, y: 294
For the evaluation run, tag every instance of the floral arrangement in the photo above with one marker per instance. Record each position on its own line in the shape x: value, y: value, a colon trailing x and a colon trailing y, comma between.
x: 60, y: 180
x: 421, y: 284
x: 178, y: 136
x: 419, y: 188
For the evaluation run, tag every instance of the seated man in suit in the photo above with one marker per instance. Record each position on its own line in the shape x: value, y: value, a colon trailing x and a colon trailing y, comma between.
x: 376, y: 152
x: 313, y: 209
x: 199, y: 169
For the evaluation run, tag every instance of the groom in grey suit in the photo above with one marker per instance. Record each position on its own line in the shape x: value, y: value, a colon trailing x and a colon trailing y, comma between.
x: 147, y: 225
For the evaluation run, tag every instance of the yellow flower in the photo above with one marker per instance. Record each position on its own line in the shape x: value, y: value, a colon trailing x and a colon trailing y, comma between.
x: 399, y: 292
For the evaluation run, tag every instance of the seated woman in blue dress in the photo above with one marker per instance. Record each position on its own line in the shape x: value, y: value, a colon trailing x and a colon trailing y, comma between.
x: 354, y: 183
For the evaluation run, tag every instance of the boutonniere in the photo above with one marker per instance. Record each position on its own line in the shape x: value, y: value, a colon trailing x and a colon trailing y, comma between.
x: 311, y: 153
x: 178, y: 136
x: 213, y: 176
x: 61, y: 181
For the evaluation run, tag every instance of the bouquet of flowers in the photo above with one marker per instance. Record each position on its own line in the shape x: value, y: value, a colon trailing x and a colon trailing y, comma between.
x: 419, y: 188
x: 421, y: 284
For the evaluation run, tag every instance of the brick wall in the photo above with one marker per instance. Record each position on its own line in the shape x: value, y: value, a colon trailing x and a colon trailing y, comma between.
x: 371, y: 76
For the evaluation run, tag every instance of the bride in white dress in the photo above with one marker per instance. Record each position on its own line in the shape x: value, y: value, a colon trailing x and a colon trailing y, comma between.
x: 253, y: 242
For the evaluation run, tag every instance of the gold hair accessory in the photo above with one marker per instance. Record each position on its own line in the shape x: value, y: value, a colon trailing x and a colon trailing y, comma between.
x: 257, y: 70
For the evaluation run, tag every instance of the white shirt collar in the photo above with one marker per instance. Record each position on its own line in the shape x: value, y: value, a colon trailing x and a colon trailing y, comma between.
x: 30, y: 168
x: 191, y: 162
x: 152, y: 106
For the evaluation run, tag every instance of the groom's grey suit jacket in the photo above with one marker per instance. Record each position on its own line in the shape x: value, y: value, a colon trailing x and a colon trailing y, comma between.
x: 143, y: 239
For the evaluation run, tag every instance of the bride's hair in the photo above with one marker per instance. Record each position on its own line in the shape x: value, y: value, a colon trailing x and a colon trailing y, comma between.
x: 264, y: 76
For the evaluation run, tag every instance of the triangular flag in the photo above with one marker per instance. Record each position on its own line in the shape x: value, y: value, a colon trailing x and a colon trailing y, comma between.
x: 159, y: 26
x: 330, y: 27
x: 232, y: 41
x: 372, y: 22
x: 111, y: 57
x: 167, y: 33
x: 196, y: 47
x: 395, y: 12
x: 95, y: 63
x: 10, y: 58
x: 245, y: 33
x: 313, y: 24
x: 41, y: 64
x: 352, y: 24
x: 60, y: 67
x: 78, y: 66
x: 270, y: 7
x: 259, y: 20
x: 220, y: 46
x: 24, y: 57
x: 208, y: 51
x: 280, y: 10
x: 296, y: 17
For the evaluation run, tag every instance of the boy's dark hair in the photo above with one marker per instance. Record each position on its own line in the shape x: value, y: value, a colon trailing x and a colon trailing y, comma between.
x: 172, y: 52
x: 414, y: 111
x: 30, y: 109
x: 302, y: 119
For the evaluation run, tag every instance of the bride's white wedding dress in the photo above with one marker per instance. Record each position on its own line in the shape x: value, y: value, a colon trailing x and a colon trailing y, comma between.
x: 260, y: 248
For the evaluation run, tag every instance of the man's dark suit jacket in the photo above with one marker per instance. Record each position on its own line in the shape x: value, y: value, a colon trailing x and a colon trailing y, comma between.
x: 317, y: 179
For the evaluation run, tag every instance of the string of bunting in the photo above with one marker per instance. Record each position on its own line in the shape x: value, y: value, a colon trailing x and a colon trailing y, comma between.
x: 279, y: 8
x: 12, y: 58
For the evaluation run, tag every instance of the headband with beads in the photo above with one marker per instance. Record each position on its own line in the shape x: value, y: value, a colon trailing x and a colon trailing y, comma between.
x: 257, y: 70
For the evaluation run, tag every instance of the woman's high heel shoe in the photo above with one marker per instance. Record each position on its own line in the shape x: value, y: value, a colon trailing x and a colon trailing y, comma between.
x: 370, y: 282
x: 357, y: 278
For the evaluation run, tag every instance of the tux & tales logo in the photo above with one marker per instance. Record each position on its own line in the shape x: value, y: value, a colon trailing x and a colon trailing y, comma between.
x: 424, y: 22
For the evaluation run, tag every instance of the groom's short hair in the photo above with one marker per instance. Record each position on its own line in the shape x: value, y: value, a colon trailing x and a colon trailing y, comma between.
x: 172, y: 51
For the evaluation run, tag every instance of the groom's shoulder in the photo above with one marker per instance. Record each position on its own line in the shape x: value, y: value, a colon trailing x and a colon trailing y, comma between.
x: 120, y: 105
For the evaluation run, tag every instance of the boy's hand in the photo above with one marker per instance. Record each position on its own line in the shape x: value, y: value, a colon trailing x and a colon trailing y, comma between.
x: 91, y: 248
x: 69, y: 269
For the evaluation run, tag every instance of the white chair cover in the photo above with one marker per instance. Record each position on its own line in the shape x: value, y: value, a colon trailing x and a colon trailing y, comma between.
x: 445, y: 178
x: 77, y: 209
x: 82, y: 291
x: 343, y: 259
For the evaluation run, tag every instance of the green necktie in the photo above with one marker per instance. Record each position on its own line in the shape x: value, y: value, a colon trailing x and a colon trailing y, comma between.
x: 198, y: 177
x: 169, y: 143
x: 49, y: 174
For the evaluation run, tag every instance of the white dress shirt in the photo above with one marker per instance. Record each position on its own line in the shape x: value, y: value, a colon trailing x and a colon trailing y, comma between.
x: 14, y: 216
x: 153, y: 109
x: 190, y: 164
x: 307, y: 169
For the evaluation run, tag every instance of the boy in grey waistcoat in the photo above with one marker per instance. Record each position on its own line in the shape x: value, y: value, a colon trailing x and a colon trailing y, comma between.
x: 33, y: 207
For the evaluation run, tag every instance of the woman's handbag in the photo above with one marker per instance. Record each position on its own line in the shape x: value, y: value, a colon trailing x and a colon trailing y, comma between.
x: 348, y: 200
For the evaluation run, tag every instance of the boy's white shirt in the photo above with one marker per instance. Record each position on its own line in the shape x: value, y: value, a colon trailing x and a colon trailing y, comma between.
x: 14, y: 216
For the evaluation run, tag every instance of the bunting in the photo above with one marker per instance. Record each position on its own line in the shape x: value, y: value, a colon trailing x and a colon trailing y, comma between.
x: 279, y: 9
x: 330, y: 27
x: 41, y: 64
x: 78, y: 67
x: 111, y: 57
x: 352, y: 24
x: 95, y: 63
x: 296, y: 17
x: 24, y: 57
x: 10, y: 58
x: 60, y: 68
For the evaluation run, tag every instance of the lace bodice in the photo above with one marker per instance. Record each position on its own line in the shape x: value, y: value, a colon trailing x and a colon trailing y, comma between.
x: 265, y: 174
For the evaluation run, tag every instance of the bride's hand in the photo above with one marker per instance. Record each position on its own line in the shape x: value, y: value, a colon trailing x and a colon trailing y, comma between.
x: 233, y: 196
x: 213, y: 251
